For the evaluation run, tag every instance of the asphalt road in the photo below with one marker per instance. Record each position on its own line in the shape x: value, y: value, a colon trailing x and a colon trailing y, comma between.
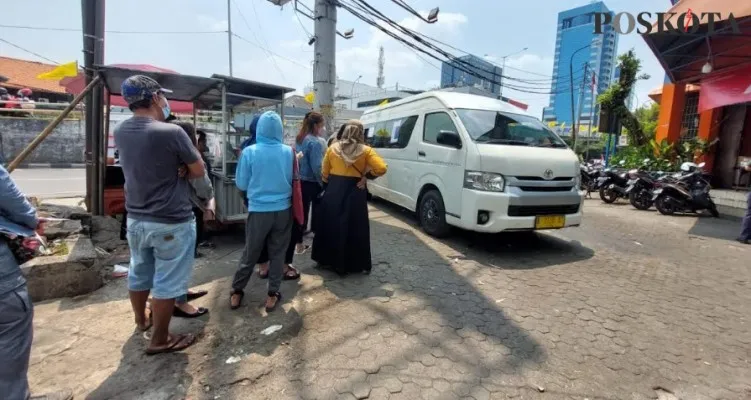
x: 51, y: 182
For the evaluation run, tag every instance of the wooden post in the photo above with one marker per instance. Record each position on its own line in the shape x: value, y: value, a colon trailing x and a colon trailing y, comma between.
x: 46, y: 132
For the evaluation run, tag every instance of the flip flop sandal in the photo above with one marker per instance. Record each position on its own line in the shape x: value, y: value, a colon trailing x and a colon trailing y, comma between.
x: 278, y: 300
x: 149, y: 319
x: 178, y: 343
x: 182, y: 314
x: 239, y: 303
x: 197, y: 295
x: 291, y: 277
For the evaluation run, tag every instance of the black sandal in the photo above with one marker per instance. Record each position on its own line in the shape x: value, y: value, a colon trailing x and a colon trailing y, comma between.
x: 278, y: 300
x: 239, y: 303
x: 197, y: 295
x: 295, y: 276
x: 177, y: 312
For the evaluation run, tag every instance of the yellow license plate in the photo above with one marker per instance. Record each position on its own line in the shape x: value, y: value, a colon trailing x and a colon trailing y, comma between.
x: 550, y: 221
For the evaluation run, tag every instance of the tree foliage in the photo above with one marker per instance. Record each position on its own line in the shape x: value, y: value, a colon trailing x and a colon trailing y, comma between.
x: 613, y: 100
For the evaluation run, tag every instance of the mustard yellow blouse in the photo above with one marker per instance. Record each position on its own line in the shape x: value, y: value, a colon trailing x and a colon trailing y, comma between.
x: 369, y: 160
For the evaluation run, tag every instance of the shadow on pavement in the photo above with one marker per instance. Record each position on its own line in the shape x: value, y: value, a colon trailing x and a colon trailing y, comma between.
x: 513, y: 250
x: 717, y: 228
x: 433, y: 310
x: 159, y: 377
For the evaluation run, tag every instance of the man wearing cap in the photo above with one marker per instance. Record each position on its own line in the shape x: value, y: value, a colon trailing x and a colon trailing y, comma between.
x: 161, y: 227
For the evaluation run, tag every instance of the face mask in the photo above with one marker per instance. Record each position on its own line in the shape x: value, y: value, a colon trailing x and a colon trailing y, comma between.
x: 166, y: 109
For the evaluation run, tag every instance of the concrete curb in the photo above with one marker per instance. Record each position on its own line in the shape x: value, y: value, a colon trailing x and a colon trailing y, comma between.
x: 52, y: 165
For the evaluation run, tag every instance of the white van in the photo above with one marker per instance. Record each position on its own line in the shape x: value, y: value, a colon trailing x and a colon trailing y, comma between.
x: 473, y: 162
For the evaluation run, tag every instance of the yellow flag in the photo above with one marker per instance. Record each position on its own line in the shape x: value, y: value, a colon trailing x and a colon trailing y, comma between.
x: 563, y: 125
x: 310, y: 97
x: 551, y: 124
x: 383, y: 103
x: 62, y: 71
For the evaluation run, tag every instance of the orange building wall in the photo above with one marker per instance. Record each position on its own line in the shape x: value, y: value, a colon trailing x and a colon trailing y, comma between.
x: 672, y: 103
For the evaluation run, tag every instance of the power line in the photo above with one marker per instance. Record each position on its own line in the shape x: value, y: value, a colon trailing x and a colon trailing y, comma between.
x: 270, y: 52
x: 460, y: 64
x: 42, y: 28
x: 29, y: 51
x: 252, y: 31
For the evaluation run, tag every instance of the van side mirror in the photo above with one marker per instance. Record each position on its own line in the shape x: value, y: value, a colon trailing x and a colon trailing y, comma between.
x: 449, y: 138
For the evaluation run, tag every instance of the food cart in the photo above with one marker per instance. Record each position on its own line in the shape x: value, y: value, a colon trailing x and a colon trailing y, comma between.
x: 218, y: 93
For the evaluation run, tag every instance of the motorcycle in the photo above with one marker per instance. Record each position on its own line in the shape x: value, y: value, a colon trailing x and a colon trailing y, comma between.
x: 690, y: 193
x: 612, y: 184
x: 588, y: 180
x: 641, y: 184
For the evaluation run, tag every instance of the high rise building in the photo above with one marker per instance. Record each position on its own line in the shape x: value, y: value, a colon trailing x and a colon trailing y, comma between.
x: 577, y: 44
x: 484, y: 75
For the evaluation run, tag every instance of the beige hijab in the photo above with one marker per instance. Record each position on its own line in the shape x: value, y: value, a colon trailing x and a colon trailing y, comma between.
x: 352, y: 144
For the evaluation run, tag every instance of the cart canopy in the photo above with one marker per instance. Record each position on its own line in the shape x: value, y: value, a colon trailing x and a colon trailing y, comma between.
x: 186, y: 88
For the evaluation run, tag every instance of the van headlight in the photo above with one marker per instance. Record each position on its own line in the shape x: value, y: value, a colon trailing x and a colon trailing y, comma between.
x: 485, y: 181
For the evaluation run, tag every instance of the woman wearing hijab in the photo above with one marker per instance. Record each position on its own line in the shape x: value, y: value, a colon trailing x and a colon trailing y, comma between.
x: 343, y: 241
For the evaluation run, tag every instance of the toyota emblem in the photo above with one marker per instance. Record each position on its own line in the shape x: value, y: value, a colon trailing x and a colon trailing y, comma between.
x: 548, y: 174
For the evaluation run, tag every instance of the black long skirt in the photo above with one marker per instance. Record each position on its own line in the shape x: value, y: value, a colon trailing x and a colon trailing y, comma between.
x: 342, y: 240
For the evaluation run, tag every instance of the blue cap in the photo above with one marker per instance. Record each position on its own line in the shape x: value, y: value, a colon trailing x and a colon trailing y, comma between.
x: 140, y: 87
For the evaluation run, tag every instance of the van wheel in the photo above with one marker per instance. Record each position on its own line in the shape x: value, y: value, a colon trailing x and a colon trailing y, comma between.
x: 433, y: 214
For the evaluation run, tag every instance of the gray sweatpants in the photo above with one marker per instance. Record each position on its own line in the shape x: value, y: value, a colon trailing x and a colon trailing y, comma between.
x: 16, y: 334
x: 262, y: 228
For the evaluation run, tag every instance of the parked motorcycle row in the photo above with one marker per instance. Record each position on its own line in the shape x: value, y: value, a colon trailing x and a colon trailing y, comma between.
x: 680, y: 192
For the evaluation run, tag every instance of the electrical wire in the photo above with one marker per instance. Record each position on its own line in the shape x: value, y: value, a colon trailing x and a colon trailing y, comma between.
x: 41, y: 28
x: 459, y: 64
x: 29, y: 51
x: 252, y: 31
x: 270, y: 52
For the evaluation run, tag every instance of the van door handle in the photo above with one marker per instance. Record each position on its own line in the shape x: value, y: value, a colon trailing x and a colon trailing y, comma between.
x: 421, y: 153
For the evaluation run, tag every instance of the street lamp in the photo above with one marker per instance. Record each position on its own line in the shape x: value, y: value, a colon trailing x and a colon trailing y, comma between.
x: 352, y: 94
x: 571, y: 77
x: 503, y: 68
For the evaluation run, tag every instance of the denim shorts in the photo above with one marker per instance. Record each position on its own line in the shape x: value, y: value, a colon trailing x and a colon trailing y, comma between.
x: 161, y: 257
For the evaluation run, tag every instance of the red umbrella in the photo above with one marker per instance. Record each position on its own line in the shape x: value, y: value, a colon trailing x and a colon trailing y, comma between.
x: 76, y: 85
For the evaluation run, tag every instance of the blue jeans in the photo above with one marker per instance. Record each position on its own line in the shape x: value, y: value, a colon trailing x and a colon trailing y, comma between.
x: 16, y: 332
x: 161, y: 257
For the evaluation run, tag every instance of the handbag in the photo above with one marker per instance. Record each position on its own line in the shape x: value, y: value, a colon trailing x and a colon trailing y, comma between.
x: 297, y: 203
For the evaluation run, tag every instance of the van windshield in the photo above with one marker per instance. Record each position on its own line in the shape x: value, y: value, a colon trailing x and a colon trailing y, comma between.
x: 511, y: 129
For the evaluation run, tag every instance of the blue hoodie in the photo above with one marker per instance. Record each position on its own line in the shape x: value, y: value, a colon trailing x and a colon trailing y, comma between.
x: 265, y: 168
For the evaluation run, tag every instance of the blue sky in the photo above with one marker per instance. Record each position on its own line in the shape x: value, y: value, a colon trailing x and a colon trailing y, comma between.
x: 275, y: 48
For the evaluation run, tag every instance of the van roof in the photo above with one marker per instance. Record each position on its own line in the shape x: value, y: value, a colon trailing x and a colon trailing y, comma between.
x: 454, y: 100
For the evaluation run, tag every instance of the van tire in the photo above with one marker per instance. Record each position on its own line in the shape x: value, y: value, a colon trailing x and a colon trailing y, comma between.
x: 432, y: 214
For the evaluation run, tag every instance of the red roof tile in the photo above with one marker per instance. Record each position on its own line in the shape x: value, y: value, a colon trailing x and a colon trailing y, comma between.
x: 23, y: 73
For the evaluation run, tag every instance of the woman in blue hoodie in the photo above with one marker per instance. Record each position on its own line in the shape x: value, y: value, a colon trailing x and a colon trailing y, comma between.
x: 264, y: 172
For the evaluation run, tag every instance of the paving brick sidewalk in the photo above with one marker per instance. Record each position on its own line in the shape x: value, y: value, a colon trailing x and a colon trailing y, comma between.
x: 629, y: 302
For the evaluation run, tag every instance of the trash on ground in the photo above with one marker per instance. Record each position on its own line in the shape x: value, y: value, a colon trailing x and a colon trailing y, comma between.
x: 271, y: 329
x: 119, y: 271
x: 233, y: 360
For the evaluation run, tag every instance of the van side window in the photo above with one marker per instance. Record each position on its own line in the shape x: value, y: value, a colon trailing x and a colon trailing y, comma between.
x: 404, y: 133
x: 392, y: 134
x: 434, y: 124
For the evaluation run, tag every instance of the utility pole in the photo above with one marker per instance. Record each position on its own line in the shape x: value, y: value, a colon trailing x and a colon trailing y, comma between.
x: 591, y: 115
x: 581, y: 103
x: 503, y: 70
x: 229, y: 34
x: 324, y: 70
x: 92, y: 19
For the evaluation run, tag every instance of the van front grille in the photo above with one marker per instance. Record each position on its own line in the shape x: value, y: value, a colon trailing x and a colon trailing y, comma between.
x: 545, y: 188
x: 539, y: 178
x: 531, y: 211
